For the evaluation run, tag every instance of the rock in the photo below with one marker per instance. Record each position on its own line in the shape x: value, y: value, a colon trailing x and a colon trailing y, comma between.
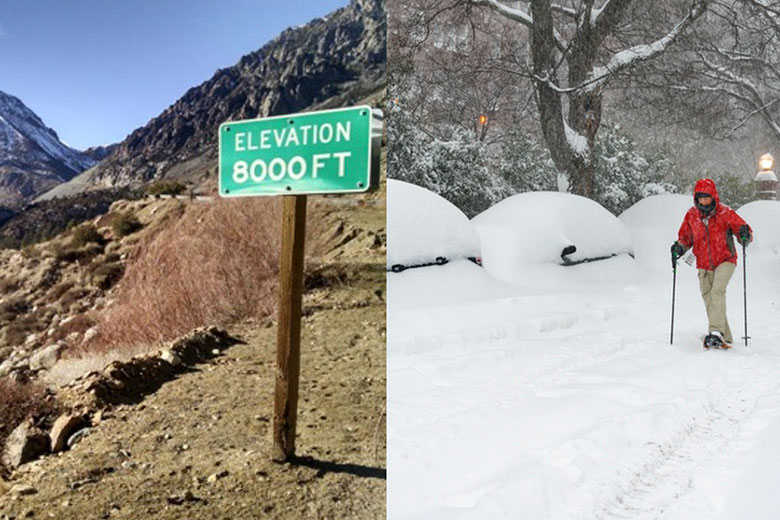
x: 23, y: 490
x: 5, y: 367
x: 216, y: 476
x: 179, y: 499
x: 63, y: 428
x: 170, y: 357
x: 26, y: 443
x: 46, y: 358
x: 90, y: 334
x: 3, y: 487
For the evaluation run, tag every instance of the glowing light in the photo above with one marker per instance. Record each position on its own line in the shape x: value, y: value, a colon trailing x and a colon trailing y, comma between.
x: 766, y: 162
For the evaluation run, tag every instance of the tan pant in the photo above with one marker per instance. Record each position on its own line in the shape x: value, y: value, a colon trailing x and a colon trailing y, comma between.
x: 713, y: 292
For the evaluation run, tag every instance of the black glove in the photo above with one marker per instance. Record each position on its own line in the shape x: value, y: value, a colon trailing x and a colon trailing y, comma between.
x: 744, y: 234
x: 677, y: 252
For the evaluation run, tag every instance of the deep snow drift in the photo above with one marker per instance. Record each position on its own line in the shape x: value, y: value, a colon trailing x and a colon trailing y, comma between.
x: 560, y: 397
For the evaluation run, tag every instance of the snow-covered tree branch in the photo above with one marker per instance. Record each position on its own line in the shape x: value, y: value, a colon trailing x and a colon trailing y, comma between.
x: 570, y: 73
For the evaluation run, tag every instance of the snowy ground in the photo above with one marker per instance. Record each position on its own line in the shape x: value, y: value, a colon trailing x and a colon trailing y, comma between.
x: 558, y: 396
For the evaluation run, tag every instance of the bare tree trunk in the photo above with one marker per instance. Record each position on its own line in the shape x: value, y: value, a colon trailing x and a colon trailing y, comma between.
x: 570, y: 142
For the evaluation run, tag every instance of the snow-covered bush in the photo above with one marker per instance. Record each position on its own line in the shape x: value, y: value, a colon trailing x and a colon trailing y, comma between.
x: 407, y: 147
x: 458, y: 168
x: 732, y: 189
x: 525, y: 164
x: 422, y: 226
x: 625, y: 176
x: 461, y: 173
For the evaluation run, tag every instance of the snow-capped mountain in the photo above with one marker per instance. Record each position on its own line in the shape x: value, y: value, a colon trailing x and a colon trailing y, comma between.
x: 32, y: 157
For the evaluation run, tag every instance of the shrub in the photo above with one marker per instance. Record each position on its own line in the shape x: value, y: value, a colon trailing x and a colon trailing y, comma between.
x: 71, y: 296
x: 30, y: 251
x: 58, y: 290
x: 125, y: 224
x: 625, y: 175
x: 526, y: 164
x: 79, y: 323
x: 17, y: 331
x: 165, y: 188
x: 12, y: 308
x: 85, y: 234
x: 8, y: 243
x: 218, y: 263
x: 81, y: 255
x: 8, y: 285
x: 107, y: 275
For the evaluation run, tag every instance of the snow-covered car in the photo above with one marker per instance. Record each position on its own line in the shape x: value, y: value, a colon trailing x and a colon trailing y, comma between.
x: 425, y: 229
x: 764, y: 217
x: 652, y: 224
x: 547, y: 228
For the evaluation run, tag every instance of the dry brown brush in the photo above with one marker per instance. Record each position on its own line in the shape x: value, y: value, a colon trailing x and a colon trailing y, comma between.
x: 216, y: 264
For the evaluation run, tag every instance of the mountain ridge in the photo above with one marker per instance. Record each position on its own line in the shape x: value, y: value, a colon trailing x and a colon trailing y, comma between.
x: 32, y: 156
x: 332, y: 60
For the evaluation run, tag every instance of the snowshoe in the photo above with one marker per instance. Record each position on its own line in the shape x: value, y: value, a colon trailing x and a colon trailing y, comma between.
x: 715, y: 340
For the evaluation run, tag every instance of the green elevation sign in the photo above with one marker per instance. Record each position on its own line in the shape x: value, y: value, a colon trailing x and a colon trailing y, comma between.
x: 311, y: 152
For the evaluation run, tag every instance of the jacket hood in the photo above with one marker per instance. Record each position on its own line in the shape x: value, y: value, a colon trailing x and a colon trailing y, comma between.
x: 706, y: 186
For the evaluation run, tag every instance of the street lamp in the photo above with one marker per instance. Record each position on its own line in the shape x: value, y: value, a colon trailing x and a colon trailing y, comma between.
x: 766, y: 180
x: 483, y: 119
x: 766, y: 162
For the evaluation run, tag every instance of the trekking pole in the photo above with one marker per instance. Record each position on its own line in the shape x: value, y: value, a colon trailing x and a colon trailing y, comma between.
x: 744, y: 289
x: 674, y: 287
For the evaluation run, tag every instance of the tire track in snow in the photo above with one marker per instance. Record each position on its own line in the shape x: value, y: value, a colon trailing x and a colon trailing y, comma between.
x: 668, y: 473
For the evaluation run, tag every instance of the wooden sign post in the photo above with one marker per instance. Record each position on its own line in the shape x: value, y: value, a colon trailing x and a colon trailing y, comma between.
x: 288, y: 340
x: 329, y: 151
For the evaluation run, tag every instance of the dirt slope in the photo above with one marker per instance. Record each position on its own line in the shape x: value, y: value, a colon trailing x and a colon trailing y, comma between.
x: 200, y: 446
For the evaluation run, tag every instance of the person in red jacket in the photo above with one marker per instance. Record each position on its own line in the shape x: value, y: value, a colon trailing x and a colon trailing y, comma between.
x: 710, y: 228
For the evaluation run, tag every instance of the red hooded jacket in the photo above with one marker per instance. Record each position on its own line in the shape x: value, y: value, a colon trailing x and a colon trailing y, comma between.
x: 712, y: 237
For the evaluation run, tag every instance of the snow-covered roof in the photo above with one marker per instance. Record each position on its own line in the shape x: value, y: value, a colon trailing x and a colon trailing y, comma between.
x: 423, y: 226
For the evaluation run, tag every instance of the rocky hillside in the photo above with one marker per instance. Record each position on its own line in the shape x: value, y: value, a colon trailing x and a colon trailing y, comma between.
x: 199, y: 445
x: 98, y: 153
x: 43, y: 220
x: 331, y: 61
x: 32, y: 157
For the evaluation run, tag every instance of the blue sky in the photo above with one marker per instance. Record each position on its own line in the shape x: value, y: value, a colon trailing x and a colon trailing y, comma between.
x: 95, y: 70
